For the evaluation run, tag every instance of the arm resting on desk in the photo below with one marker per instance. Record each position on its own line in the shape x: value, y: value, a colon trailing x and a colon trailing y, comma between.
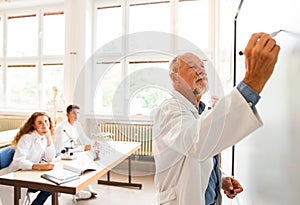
x: 42, y: 166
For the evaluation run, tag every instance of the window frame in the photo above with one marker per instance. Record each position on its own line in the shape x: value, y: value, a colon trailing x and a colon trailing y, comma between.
x: 39, y: 59
x: 210, y: 52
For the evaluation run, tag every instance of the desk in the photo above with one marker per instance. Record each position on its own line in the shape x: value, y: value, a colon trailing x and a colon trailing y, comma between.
x: 7, y: 136
x: 31, y: 179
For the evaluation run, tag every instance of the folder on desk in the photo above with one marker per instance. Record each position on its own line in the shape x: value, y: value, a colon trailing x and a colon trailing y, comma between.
x: 60, y: 176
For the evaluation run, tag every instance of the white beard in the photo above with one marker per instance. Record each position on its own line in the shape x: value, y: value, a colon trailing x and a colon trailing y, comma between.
x: 200, y: 91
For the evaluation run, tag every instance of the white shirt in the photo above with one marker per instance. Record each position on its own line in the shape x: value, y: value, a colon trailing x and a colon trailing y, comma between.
x: 31, y: 149
x: 68, y: 135
x: 184, y: 143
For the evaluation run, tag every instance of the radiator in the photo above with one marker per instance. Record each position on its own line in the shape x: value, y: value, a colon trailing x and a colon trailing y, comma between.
x: 8, y: 123
x: 132, y: 133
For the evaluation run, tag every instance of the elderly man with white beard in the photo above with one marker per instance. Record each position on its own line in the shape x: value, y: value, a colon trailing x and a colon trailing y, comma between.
x: 186, y: 144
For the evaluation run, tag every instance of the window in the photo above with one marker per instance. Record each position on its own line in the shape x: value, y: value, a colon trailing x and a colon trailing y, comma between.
x: 33, y: 61
x: 53, y: 76
x: 22, y: 35
x: 136, y: 94
x: 1, y: 86
x: 1, y: 37
x: 22, y: 91
x: 142, y: 18
x: 54, y: 33
x: 106, y: 30
x: 146, y: 94
x: 193, y: 20
x: 131, y: 80
x: 107, y: 84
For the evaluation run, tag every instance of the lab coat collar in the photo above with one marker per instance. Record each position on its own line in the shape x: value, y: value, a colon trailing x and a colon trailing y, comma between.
x: 37, y: 136
x: 183, y: 100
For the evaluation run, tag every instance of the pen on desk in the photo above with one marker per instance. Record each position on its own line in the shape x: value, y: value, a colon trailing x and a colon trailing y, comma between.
x: 44, y: 161
x: 272, y: 35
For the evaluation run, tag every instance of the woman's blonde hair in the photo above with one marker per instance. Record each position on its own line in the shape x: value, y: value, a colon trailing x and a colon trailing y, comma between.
x: 28, y: 126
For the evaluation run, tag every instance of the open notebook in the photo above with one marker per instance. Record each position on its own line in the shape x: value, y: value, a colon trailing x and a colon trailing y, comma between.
x: 66, y: 174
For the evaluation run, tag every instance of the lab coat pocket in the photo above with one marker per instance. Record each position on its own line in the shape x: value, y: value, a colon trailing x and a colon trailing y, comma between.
x: 166, y: 196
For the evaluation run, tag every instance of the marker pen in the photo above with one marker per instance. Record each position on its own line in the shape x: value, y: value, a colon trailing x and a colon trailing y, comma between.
x: 272, y: 35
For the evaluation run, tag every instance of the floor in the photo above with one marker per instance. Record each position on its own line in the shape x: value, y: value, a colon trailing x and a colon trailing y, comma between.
x: 111, y: 195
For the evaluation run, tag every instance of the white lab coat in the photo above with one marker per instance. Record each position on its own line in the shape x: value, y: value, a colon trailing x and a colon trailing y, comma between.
x: 73, y: 133
x: 68, y: 135
x: 32, y: 148
x: 184, y: 143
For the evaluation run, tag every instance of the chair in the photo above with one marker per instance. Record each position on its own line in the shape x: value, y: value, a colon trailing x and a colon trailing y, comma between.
x: 6, y: 156
x: 27, y: 199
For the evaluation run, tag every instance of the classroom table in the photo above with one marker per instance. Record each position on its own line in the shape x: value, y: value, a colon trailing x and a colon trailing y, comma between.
x: 114, y: 153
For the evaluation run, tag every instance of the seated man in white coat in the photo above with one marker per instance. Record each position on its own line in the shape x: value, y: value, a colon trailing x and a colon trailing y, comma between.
x: 69, y: 134
x: 185, y: 142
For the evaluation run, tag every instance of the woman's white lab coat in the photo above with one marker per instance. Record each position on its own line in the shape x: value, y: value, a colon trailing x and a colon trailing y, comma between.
x: 184, y: 143
x: 32, y: 148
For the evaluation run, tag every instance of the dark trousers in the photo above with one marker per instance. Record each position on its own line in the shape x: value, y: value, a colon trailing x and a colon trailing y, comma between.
x: 41, y: 197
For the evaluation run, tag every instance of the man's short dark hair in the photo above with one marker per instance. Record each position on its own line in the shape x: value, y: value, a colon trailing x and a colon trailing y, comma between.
x: 72, y: 107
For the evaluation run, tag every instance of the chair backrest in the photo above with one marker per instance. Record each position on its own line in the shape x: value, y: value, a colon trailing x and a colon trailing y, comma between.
x: 6, y: 156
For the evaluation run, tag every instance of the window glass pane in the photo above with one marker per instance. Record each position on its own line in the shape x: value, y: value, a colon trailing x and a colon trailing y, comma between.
x: 191, y: 23
x: 146, y: 99
x: 225, y: 63
x: 22, y: 36
x: 1, y: 37
x: 1, y: 86
x: 22, y: 91
x: 54, y: 34
x: 149, y: 95
x: 144, y: 17
x: 194, y: 26
x: 108, y: 30
x: 53, y: 76
x: 107, y: 85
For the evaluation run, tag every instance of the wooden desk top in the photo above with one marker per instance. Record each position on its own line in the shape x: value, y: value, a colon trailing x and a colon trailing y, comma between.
x: 118, y: 152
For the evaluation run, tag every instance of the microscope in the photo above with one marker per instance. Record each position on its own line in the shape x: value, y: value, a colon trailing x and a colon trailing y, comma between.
x: 67, y: 153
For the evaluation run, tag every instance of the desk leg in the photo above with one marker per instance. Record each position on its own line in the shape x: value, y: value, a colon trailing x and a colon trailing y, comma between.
x: 115, y: 183
x: 17, y: 195
x: 54, y: 198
